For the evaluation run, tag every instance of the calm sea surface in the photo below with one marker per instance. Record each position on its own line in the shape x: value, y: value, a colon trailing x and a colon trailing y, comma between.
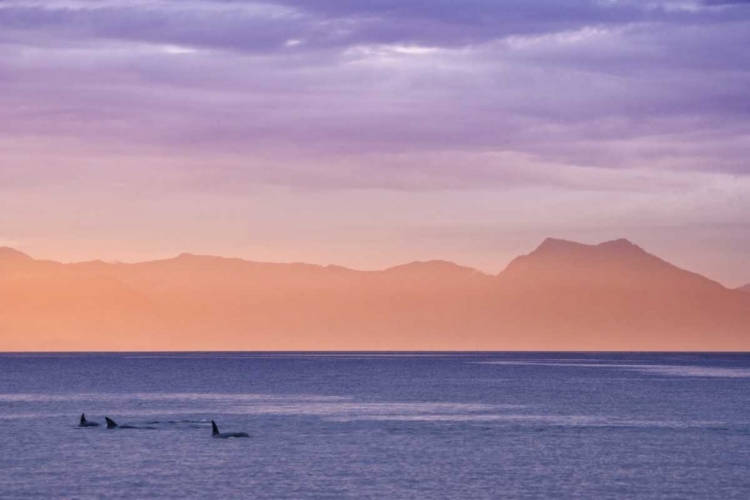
x: 494, y: 425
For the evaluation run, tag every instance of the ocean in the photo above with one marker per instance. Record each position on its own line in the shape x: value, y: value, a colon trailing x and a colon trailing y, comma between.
x: 376, y: 425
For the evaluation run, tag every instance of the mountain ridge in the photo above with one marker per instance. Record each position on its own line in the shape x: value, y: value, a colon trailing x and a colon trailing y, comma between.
x: 616, y: 260
x: 549, y: 246
x: 561, y: 296
x: 11, y: 254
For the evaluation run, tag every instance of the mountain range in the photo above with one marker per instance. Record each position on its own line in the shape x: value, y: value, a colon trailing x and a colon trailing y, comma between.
x: 561, y: 296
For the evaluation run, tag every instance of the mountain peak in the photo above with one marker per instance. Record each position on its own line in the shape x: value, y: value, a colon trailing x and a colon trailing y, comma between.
x: 611, y: 262
x: 432, y: 268
x: 192, y: 257
x: 745, y: 288
x: 555, y: 245
x: 7, y: 253
x: 552, y: 245
x: 620, y: 244
x: 557, y: 251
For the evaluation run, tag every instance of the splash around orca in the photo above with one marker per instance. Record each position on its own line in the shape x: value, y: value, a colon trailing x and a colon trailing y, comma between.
x: 226, y: 435
x: 87, y: 423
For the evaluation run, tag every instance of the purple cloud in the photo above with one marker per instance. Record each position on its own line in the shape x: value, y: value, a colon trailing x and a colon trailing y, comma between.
x: 316, y: 93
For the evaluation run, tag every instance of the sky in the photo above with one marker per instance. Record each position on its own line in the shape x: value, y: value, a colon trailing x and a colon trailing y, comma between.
x: 375, y: 132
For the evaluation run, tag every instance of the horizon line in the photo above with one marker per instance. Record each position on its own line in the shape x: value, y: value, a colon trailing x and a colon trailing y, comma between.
x: 383, y: 352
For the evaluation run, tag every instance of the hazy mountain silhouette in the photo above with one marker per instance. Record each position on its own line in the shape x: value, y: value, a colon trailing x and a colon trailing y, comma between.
x: 613, y: 263
x: 12, y: 255
x: 745, y: 288
x: 563, y: 295
x: 615, y: 295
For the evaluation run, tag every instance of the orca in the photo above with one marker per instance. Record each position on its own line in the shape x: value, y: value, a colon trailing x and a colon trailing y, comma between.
x: 86, y: 423
x: 111, y: 424
x: 226, y: 435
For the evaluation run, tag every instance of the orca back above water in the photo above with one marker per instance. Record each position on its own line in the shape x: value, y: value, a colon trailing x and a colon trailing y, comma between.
x: 226, y: 435
x: 86, y: 423
x: 111, y: 424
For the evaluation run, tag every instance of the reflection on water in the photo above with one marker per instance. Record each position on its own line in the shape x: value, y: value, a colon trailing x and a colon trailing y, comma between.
x: 155, y: 397
x: 667, y: 370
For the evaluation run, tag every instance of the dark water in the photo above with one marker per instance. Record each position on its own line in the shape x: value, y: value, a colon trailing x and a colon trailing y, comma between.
x: 430, y: 426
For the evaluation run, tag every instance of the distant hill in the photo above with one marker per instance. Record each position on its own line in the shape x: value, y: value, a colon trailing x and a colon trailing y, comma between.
x: 561, y: 296
x: 745, y: 288
x: 8, y: 255
x: 617, y: 296
x: 613, y: 263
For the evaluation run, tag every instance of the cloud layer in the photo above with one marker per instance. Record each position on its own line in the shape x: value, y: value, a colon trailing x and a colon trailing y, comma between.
x: 607, y: 84
x: 592, y: 104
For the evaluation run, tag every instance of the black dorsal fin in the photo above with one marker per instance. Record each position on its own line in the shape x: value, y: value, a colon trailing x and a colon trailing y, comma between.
x: 215, y: 427
x: 111, y: 424
x: 83, y: 418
